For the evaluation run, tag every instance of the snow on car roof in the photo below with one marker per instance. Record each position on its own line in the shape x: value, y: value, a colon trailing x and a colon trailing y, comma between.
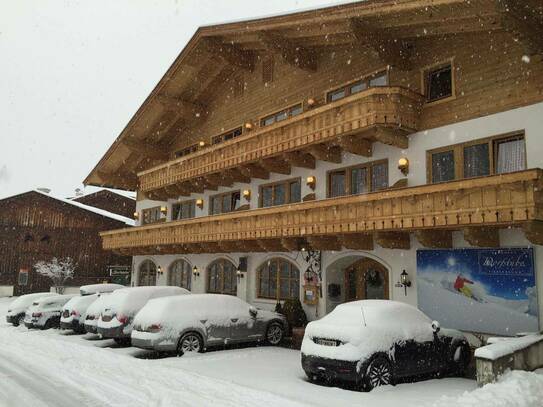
x: 80, y: 301
x: 96, y: 307
x: 127, y: 300
x: 99, y: 288
x: 29, y: 299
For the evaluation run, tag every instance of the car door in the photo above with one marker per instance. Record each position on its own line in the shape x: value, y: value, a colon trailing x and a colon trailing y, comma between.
x: 244, y: 327
x: 214, y: 315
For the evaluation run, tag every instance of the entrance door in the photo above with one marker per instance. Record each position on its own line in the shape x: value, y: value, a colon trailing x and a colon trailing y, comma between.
x: 366, y: 279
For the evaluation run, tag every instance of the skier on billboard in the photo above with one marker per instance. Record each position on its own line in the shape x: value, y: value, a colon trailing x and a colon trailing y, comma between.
x: 462, y: 288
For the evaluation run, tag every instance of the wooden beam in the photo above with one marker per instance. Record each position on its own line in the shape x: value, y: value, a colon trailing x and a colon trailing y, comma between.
x: 525, y: 22
x: 292, y: 52
x: 391, y: 50
x: 276, y: 165
x: 272, y: 245
x: 390, y: 136
x: 393, y: 240
x: 357, y: 241
x: 254, y: 170
x: 324, y: 152
x: 176, y: 190
x: 146, y: 149
x: 300, y: 159
x: 324, y: 243
x: 356, y: 145
x: 236, y: 175
x: 182, y: 106
x: 230, y: 53
x: 195, y: 185
x: 157, y: 195
x: 228, y: 246
x: 118, y: 179
x: 220, y: 180
x: 482, y: 236
x: 435, y: 238
x: 534, y: 232
x: 293, y: 244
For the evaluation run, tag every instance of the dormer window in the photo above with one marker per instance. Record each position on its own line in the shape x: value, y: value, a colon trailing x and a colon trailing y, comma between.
x: 439, y: 82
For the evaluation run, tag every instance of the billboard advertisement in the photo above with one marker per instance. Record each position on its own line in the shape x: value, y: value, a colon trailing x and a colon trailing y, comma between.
x: 479, y: 290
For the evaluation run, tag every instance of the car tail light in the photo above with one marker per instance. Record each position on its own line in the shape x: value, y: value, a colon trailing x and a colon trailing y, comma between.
x: 36, y: 314
x: 75, y: 313
x: 123, y: 319
x: 154, y: 328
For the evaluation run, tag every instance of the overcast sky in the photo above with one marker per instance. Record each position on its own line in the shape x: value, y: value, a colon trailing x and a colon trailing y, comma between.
x: 73, y: 73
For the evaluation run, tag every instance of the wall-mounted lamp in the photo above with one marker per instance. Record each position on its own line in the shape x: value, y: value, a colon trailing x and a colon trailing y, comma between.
x: 195, y: 272
x: 248, y: 126
x: 201, y: 143
x: 136, y: 215
x: 311, y: 102
x: 403, y: 165
x: 200, y: 203
x: 159, y: 270
x: 164, y: 210
x: 311, y: 182
x: 242, y: 268
x: 247, y: 194
x: 404, y: 281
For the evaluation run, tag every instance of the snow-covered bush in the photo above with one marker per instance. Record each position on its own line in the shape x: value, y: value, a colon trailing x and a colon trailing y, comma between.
x: 58, y: 271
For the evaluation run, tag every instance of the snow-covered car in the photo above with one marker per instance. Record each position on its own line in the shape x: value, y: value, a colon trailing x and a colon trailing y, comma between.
x: 193, y: 323
x: 373, y: 343
x: 99, y: 288
x: 93, y: 313
x: 75, y: 311
x: 17, y: 309
x: 121, y: 307
x: 44, y: 313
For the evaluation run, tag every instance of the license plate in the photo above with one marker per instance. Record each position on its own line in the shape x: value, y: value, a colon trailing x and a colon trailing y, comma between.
x: 326, y: 342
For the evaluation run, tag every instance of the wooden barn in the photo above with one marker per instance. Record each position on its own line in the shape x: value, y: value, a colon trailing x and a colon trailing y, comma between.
x: 38, y: 226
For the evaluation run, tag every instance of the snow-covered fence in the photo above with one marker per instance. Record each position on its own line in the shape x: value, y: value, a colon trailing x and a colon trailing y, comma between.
x: 502, y: 354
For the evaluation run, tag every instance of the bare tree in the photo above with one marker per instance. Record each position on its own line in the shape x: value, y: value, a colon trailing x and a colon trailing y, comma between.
x: 58, y: 271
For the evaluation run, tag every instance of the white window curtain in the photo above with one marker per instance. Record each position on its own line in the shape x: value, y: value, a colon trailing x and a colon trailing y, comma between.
x: 511, y: 156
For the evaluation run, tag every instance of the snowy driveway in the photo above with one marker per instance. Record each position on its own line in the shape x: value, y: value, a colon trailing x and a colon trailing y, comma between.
x: 49, y: 369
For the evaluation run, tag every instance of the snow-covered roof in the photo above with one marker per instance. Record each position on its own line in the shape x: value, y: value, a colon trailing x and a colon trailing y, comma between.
x: 97, y: 211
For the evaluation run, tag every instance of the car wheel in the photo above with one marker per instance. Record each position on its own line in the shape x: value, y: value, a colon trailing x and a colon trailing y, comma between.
x: 190, y: 343
x: 20, y: 320
x: 378, y: 373
x: 274, y: 334
x: 122, y: 341
x: 48, y: 324
x: 460, y: 357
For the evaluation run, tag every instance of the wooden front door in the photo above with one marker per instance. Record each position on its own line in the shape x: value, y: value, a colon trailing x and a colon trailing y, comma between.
x: 366, y: 279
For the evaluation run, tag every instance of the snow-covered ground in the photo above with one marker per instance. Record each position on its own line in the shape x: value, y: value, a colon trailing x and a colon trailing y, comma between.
x: 47, y: 368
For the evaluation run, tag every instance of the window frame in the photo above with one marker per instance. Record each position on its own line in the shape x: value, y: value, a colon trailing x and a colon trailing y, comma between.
x: 181, y: 204
x: 278, y: 261
x: 145, y: 211
x: 348, y: 176
x: 287, y: 109
x: 286, y: 183
x: 221, y: 195
x: 221, y: 261
x: 221, y: 138
x: 425, y: 72
x: 188, y: 272
x: 346, y: 86
x: 458, y: 153
x: 186, y: 151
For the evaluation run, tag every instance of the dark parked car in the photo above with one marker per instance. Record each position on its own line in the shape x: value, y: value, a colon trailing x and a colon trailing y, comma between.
x: 192, y: 323
x: 45, y: 312
x: 373, y: 343
x: 17, y: 309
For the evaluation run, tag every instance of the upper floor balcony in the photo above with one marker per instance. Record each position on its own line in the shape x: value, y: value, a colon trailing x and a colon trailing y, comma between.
x: 476, y: 206
x: 382, y: 114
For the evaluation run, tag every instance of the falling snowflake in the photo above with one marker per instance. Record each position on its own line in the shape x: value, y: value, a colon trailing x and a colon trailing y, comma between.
x: 526, y: 59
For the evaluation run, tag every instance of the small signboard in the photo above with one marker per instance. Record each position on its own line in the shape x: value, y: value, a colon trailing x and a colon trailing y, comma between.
x: 120, y: 274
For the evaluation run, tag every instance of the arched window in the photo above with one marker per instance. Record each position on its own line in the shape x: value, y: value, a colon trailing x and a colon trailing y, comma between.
x: 147, y: 273
x: 278, y: 279
x: 221, y: 277
x: 179, y: 275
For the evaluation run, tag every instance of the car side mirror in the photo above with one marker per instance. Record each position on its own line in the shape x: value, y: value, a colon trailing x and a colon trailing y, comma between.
x: 253, y: 312
x: 436, y: 327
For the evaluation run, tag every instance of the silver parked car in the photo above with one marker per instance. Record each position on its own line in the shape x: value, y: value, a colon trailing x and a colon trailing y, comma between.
x: 192, y: 323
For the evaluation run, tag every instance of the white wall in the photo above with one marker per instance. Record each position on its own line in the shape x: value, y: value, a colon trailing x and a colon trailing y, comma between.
x: 6, y: 290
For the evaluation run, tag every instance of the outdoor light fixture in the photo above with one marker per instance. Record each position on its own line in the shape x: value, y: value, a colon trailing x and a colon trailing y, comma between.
x: 136, y: 215
x: 195, y: 271
x: 200, y: 203
x: 164, y: 210
x: 403, y: 165
x: 247, y: 194
x: 239, y: 273
x: 242, y: 268
x: 311, y: 182
x: 248, y: 126
x: 311, y: 102
x: 201, y: 143
x: 404, y: 281
x: 159, y: 270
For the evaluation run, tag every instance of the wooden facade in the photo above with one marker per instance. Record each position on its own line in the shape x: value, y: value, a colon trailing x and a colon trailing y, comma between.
x: 109, y: 201
x: 36, y: 227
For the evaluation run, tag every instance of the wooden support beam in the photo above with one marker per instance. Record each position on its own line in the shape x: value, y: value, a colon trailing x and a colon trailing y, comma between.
x: 249, y: 246
x: 228, y: 246
x: 435, y: 238
x: 236, y: 175
x: 293, y: 244
x: 204, y: 183
x: 272, y: 245
x: 393, y: 240
x: 356, y: 145
x: 118, y: 180
x: 325, y: 152
x: 254, y: 170
x: 390, y: 136
x: 195, y: 185
x: 324, y: 243
x: 230, y: 53
x: 291, y: 52
x: 357, y: 241
x: 219, y: 180
x: 391, y: 50
x: 482, y: 236
x: 525, y: 22
x: 182, y: 106
x: 176, y: 190
x: 145, y: 149
x: 157, y: 195
x: 300, y: 159
x: 534, y: 232
x: 276, y: 165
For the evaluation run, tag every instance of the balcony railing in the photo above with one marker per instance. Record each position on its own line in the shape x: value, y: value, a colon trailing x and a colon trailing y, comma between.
x: 493, y: 202
x: 386, y: 114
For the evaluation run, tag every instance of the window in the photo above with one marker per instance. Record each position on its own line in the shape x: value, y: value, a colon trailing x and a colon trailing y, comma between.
x: 439, y: 83
x: 147, y: 273
x: 22, y: 278
x: 183, y: 210
x: 280, y: 193
x: 186, y: 151
x: 221, y: 277
x: 282, y: 115
x: 224, y: 203
x: 180, y: 274
x: 278, y: 279
x: 378, y: 79
x: 151, y: 215
x: 229, y: 135
x: 267, y: 70
x: 493, y: 155
x: 361, y: 179
x: 28, y: 238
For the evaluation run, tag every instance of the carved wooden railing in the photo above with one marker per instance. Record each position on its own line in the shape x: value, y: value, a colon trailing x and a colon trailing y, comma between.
x: 493, y: 201
x: 394, y: 109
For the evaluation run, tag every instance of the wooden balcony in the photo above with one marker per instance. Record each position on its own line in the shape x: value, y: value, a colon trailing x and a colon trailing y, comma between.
x: 385, y: 114
x: 478, y: 207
